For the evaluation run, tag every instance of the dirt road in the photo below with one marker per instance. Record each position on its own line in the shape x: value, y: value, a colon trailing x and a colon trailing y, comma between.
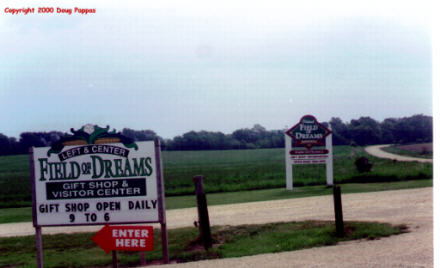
x: 412, y: 207
x: 375, y: 150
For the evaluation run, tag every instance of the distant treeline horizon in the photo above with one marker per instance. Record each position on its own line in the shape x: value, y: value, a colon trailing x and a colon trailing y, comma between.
x: 357, y: 132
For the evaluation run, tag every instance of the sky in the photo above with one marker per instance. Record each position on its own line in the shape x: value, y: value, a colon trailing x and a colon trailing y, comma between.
x: 176, y: 66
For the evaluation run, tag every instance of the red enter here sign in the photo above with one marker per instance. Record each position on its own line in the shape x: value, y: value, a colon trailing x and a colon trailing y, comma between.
x: 128, y: 238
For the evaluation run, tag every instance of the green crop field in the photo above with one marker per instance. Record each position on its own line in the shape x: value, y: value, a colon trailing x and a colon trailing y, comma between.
x: 231, y: 170
x: 234, y: 170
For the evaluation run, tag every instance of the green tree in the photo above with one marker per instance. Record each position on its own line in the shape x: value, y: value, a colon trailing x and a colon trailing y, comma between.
x: 341, y: 136
x: 5, y: 145
x: 365, y: 131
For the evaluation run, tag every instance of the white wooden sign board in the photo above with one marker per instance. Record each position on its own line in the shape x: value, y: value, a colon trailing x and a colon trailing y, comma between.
x: 96, y: 184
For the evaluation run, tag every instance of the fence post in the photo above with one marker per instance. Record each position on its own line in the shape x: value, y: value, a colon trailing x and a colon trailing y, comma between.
x: 339, y: 221
x: 202, y: 208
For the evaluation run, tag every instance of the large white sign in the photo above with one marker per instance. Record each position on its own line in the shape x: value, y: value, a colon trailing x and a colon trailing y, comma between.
x: 95, y: 184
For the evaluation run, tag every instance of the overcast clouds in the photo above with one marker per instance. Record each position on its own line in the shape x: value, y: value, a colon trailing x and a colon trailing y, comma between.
x: 176, y: 67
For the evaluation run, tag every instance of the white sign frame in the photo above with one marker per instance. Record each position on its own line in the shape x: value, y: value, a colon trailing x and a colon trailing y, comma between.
x: 101, y: 206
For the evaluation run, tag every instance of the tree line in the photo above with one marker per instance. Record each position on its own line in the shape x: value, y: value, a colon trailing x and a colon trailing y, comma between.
x: 357, y: 132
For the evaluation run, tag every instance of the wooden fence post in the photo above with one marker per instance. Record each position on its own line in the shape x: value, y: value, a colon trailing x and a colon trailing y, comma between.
x: 339, y: 221
x: 202, y: 208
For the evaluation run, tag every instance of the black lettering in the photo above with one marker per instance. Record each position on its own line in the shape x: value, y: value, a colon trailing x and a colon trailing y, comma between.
x: 97, y: 165
x: 139, y: 168
x: 74, y: 167
x: 43, y: 168
x: 118, y: 168
x: 148, y: 166
x: 127, y: 170
x: 108, y: 169
x: 58, y: 173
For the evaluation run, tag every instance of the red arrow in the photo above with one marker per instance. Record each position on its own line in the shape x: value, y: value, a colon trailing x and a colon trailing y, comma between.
x: 104, y: 238
x: 132, y: 238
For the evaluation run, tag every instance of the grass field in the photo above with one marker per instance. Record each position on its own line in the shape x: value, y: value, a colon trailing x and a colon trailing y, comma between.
x: 226, y: 171
x: 231, y: 170
x: 78, y: 250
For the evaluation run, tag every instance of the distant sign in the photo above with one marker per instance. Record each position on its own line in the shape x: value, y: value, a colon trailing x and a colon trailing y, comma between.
x: 127, y: 238
x: 85, y: 180
x: 308, y: 132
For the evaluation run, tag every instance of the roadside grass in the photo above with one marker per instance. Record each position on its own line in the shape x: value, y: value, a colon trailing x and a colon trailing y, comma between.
x: 230, y: 171
x: 78, y: 250
x: 415, y: 150
x: 8, y: 215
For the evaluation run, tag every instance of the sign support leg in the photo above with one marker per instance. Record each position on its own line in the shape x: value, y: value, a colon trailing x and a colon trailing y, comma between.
x: 115, y: 258
x: 142, y: 258
x: 163, y: 228
x: 161, y: 199
x: 39, y: 244
x: 289, y: 177
x: 329, y: 161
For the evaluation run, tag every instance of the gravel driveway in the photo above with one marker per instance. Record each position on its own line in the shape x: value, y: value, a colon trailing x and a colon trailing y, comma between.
x: 413, y: 207
x: 377, y: 151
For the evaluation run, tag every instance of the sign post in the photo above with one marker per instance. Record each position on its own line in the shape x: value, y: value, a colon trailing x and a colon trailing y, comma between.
x: 289, y: 175
x: 329, y: 163
x: 305, y: 135
x: 97, y: 177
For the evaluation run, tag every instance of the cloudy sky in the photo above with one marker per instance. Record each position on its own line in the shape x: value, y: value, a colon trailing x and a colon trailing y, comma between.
x: 176, y: 66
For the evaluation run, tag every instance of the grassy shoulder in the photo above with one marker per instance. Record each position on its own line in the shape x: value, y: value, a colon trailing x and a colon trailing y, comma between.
x: 24, y: 214
x: 78, y: 250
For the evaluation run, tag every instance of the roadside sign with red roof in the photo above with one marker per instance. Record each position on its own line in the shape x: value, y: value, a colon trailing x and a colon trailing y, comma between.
x: 308, y: 132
